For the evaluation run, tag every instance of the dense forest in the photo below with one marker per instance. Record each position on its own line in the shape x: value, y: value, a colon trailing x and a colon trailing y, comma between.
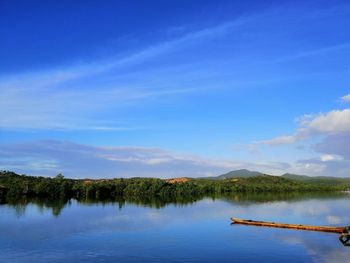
x: 14, y: 186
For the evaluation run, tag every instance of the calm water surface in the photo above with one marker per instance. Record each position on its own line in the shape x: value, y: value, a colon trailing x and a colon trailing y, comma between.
x: 193, y: 232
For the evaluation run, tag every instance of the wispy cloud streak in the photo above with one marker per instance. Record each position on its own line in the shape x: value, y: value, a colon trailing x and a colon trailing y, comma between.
x: 69, y: 97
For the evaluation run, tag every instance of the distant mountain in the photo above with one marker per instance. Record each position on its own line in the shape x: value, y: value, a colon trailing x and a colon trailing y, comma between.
x: 244, y: 173
x: 325, y: 179
x: 296, y: 176
x: 239, y: 173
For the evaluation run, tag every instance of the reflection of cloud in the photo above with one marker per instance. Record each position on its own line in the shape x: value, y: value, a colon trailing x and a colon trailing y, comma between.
x: 134, y: 224
x: 334, y: 220
x: 337, y: 256
x: 321, y: 247
x: 290, y: 239
x: 317, y: 251
x: 112, y: 219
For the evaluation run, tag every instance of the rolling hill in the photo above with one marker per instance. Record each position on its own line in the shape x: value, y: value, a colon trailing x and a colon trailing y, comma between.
x: 239, y: 173
x: 244, y: 173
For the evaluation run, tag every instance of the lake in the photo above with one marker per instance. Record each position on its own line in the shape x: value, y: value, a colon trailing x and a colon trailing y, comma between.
x: 198, y: 231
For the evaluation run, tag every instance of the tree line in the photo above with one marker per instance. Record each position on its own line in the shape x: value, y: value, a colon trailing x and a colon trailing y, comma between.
x: 14, y: 186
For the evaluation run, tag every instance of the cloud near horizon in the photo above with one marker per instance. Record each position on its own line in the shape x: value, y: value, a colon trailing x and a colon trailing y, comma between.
x: 332, y: 122
x: 346, y: 98
x: 333, y: 132
x: 187, y: 82
x: 50, y: 157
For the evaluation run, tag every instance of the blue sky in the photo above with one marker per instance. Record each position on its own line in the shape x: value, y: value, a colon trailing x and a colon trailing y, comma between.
x: 174, y: 88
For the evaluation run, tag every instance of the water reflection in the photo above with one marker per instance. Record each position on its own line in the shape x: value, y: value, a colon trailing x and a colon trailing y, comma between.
x: 158, y: 230
x: 253, y: 198
x: 57, y: 205
x: 345, y: 236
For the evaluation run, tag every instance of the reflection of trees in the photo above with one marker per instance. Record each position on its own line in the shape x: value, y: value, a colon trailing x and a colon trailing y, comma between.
x: 57, y: 205
x: 20, y: 210
x: 147, y: 201
x: 20, y: 204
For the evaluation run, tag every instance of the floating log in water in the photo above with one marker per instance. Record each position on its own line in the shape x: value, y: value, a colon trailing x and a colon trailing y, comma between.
x: 343, y: 231
x: 291, y: 226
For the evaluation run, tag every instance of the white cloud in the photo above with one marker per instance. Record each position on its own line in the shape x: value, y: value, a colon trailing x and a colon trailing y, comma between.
x: 336, y: 166
x: 50, y: 157
x: 308, y: 167
x: 77, y: 160
x: 332, y: 122
x: 332, y: 131
x: 286, y: 139
x: 335, y: 144
x: 346, y: 98
x: 331, y: 157
x: 335, y: 121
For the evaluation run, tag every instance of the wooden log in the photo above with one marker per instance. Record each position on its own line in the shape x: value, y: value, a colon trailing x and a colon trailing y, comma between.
x: 290, y: 226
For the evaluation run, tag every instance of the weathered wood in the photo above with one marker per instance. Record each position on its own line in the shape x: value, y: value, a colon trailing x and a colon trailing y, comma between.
x: 290, y: 226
